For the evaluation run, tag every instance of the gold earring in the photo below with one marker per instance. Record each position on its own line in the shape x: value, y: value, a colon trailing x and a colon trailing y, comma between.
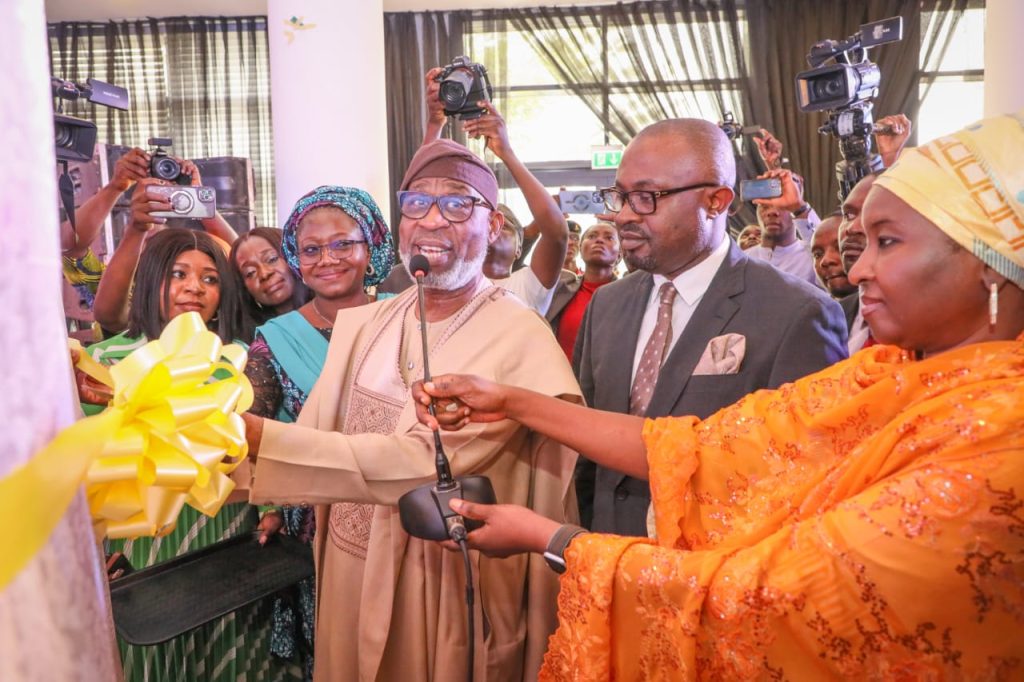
x: 993, y: 304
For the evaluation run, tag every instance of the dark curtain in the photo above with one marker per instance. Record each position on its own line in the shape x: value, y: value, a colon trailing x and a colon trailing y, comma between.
x: 414, y: 42
x: 781, y: 33
x: 203, y: 81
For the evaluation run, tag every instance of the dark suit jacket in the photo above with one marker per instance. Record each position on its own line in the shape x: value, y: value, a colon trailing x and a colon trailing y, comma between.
x: 792, y: 329
x: 851, y: 304
x: 568, y: 284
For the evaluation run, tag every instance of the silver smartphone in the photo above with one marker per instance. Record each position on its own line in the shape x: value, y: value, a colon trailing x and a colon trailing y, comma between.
x: 186, y: 202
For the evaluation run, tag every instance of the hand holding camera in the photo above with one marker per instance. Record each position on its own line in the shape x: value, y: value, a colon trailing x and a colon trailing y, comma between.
x: 891, y: 134
x: 129, y: 169
x: 492, y: 126
x: 435, y: 107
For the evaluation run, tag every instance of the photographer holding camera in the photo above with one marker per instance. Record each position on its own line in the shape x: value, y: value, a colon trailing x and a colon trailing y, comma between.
x: 114, y: 292
x: 536, y: 283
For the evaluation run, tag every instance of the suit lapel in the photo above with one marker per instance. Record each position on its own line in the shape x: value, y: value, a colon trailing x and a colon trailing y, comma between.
x: 718, y: 305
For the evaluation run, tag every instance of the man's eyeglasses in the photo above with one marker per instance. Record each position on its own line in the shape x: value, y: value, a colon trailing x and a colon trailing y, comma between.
x: 338, y: 249
x: 642, y: 201
x: 454, y: 208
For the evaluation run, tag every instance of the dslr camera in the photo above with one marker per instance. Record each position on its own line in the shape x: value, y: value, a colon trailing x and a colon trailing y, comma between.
x: 163, y: 166
x: 463, y: 84
x: 844, y: 88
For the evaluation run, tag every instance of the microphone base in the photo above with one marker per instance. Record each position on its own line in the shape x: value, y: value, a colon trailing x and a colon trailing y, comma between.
x: 425, y: 513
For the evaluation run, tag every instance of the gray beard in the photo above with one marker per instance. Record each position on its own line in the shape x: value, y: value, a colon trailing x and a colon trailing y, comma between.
x: 456, y: 277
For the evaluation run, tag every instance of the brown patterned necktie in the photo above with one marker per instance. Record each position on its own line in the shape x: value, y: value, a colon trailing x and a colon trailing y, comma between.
x: 654, y: 353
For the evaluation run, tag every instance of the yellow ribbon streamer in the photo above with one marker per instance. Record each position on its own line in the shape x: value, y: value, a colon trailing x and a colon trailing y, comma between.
x: 172, y: 434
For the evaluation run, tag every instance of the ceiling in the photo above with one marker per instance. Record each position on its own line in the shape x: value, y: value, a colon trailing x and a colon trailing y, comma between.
x: 99, y: 10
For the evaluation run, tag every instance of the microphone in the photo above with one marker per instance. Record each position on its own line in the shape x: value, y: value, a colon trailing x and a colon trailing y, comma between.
x: 424, y: 511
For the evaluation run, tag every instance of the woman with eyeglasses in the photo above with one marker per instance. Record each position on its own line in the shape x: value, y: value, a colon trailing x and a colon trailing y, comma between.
x: 337, y: 244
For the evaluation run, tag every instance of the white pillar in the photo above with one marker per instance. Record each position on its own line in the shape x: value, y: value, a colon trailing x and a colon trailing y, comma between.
x: 327, y: 96
x: 1004, y: 55
x: 54, y: 616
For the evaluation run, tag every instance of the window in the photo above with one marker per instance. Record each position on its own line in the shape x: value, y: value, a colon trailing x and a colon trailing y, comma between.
x: 621, y: 82
x: 956, y: 97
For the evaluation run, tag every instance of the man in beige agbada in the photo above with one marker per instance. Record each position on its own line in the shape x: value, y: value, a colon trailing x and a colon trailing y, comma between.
x: 391, y: 607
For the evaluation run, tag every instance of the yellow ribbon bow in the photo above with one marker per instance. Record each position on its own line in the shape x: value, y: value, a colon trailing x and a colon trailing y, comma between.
x: 172, y: 434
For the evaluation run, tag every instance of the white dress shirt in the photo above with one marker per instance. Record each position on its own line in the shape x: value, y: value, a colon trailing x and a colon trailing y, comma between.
x: 859, y: 333
x: 794, y: 259
x: 690, y: 286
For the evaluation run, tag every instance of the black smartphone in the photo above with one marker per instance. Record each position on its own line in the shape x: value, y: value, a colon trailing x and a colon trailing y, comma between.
x: 768, y: 188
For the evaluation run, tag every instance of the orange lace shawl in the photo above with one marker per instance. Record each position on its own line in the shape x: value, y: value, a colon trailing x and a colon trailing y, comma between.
x: 866, y: 522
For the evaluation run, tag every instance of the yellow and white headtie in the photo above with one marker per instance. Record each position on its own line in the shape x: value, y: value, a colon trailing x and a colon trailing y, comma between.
x: 971, y: 185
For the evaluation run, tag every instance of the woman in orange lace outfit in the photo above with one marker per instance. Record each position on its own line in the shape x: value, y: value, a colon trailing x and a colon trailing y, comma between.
x: 865, y: 522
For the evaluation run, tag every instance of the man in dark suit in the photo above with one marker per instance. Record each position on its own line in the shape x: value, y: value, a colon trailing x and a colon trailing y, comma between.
x: 719, y: 323
x: 852, y: 241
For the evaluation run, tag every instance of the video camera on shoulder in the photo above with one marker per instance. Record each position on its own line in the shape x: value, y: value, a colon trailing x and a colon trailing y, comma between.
x: 164, y: 166
x: 463, y: 84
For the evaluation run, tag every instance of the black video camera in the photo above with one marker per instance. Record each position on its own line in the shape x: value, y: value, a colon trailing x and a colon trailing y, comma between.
x: 463, y: 84
x: 75, y: 137
x: 164, y: 166
x: 845, y: 89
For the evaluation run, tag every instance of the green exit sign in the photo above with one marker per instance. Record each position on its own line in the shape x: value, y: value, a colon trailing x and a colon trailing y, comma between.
x: 604, y: 158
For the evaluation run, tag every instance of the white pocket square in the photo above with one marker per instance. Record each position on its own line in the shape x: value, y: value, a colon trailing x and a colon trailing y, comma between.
x: 723, y: 355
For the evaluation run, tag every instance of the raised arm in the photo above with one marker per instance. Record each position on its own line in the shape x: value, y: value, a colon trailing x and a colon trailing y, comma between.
x: 549, y: 252
x: 114, y: 292
x: 89, y: 217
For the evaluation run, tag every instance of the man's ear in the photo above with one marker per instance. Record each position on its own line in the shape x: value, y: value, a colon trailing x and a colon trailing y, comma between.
x: 497, y: 222
x: 721, y: 199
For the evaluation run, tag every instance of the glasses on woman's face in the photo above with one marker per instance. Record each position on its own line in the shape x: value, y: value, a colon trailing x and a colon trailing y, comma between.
x: 455, y: 208
x: 310, y: 254
x: 642, y: 201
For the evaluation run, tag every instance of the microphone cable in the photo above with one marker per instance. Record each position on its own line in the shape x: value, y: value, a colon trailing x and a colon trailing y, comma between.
x: 470, y: 600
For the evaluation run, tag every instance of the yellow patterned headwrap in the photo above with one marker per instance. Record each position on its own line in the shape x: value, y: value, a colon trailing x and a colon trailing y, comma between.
x: 971, y: 185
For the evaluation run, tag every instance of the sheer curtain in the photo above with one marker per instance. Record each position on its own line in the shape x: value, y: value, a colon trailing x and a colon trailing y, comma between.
x: 203, y: 81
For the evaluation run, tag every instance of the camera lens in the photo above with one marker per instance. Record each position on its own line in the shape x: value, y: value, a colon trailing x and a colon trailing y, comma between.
x: 454, y: 89
x: 828, y: 88
x: 166, y: 168
x: 64, y: 136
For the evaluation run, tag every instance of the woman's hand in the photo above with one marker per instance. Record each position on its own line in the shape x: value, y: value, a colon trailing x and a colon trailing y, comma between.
x: 271, y: 524
x: 144, y: 203
x: 90, y: 391
x: 464, y: 399
x: 508, y: 529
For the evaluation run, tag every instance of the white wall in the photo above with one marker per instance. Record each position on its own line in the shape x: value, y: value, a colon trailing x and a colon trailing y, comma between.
x: 101, y: 10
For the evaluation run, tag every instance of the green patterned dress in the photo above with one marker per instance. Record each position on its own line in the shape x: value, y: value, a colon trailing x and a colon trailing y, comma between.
x: 231, y: 648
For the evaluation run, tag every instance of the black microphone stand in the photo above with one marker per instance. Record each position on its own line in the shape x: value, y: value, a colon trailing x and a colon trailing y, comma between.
x: 425, y: 511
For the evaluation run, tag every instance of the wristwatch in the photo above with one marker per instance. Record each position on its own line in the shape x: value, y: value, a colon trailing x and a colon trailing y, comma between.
x: 802, y: 211
x: 554, y: 555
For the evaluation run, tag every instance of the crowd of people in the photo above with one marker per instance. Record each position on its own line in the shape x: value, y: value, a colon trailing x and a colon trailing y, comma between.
x: 753, y: 456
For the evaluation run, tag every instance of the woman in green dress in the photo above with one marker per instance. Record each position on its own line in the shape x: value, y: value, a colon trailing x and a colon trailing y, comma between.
x: 187, y: 271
